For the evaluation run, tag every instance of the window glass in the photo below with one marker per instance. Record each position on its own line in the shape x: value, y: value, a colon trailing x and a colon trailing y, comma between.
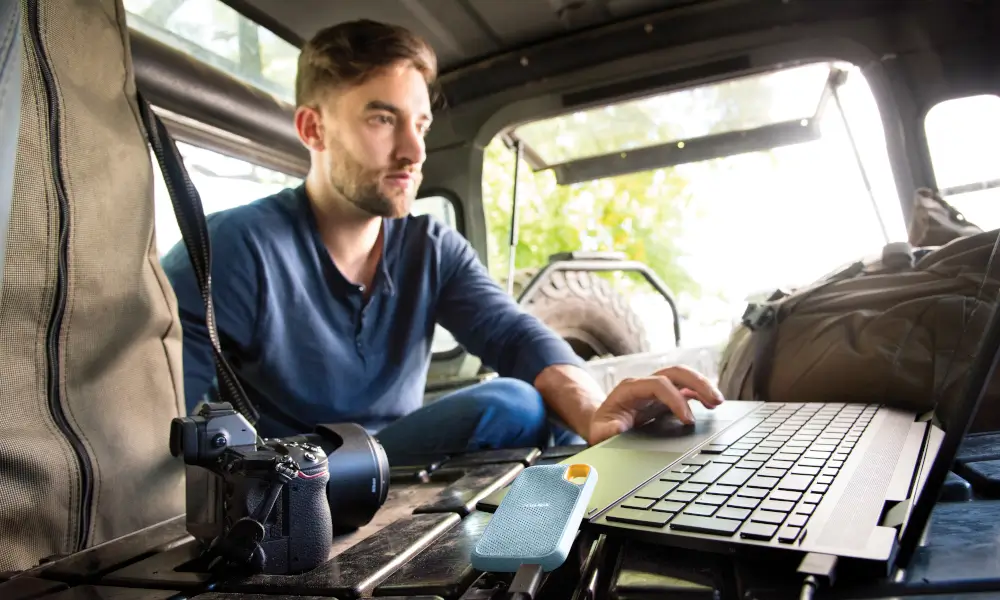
x: 718, y: 232
x: 679, y: 115
x: 438, y: 207
x: 222, y: 182
x: 216, y: 34
x: 963, y: 139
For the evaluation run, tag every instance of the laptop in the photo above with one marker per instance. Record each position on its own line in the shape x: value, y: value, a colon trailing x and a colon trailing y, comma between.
x: 783, y: 480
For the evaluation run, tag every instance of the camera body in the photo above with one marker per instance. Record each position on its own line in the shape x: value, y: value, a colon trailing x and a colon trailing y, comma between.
x: 258, y: 505
x: 272, y: 506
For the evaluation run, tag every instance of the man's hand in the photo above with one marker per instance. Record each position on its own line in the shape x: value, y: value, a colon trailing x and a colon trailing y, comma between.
x: 574, y: 395
x: 635, y: 401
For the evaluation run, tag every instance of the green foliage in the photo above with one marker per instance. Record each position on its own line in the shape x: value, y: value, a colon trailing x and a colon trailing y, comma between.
x: 640, y: 214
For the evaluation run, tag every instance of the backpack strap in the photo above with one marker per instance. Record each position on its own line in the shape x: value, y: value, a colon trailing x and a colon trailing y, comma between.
x: 191, y: 220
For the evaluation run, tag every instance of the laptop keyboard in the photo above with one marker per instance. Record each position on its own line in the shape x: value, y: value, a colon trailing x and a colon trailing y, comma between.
x: 761, y: 478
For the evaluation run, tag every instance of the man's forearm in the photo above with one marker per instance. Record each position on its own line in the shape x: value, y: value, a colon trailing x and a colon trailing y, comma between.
x: 572, y: 394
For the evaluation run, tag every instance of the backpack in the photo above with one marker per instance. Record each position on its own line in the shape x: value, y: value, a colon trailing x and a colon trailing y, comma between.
x: 90, y: 339
x: 900, y: 329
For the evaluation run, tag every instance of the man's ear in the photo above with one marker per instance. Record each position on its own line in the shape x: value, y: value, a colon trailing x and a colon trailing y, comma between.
x: 309, y: 126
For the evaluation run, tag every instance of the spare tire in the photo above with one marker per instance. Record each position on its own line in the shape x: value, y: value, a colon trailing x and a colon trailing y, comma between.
x: 583, y: 309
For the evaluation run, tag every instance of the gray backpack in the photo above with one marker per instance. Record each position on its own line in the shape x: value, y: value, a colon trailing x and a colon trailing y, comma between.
x: 90, y: 341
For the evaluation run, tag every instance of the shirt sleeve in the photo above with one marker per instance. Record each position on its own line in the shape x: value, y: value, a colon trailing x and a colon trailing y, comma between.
x: 488, y: 322
x: 235, y: 301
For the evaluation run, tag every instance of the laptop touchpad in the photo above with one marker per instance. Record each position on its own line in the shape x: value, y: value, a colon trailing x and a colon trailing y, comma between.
x: 668, y: 434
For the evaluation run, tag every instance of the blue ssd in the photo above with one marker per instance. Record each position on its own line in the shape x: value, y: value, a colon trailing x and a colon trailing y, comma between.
x: 537, y: 520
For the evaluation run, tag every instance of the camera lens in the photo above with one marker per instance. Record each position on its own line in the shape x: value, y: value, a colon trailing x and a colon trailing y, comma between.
x: 359, y: 473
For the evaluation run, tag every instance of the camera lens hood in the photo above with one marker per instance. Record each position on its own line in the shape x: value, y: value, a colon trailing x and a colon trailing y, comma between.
x: 359, y: 473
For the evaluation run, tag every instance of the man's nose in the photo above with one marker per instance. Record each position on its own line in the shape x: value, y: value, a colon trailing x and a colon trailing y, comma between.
x: 410, y: 146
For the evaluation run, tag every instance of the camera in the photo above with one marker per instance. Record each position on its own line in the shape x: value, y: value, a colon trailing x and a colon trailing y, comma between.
x: 271, y: 505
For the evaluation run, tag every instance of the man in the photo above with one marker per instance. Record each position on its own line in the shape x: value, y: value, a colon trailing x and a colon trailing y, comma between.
x: 327, y: 294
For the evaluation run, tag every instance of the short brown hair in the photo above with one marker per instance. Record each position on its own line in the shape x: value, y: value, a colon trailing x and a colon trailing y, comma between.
x: 349, y: 53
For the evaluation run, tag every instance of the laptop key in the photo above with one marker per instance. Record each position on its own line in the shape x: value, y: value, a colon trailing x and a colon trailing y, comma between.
x: 803, y: 470
x: 780, y: 464
x: 768, y: 472
x: 698, y: 459
x: 672, y: 476
x: 824, y: 480
x: 805, y: 509
x: 753, y: 465
x: 656, y: 489
x: 668, y: 506
x: 694, y: 488
x: 743, y: 502
x: 710, y: 525
x: 723, y: 490
x: 758, y: 531
x: 811, y: 462
x: 795, y: 483
x: 735, y: 477
x: 785, y: 495
x: 638, y: 503
x: 725, y: 460
x: 713, y: 499
x: 767, y: 516
x: 763, y: 482
x: 752, y: 492
x: 703, y: 510
x: 676, y: 496
x: 797, y: 520
x: 788, y: 535
x: 638, y: 517
x: 709, y: 473
x: 728, y: 512
x: 777, y: 505
x: 713, y: 449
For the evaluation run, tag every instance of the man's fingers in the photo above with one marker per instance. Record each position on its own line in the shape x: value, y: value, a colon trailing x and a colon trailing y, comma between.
x: 634, y: 396
x: 702, y: 388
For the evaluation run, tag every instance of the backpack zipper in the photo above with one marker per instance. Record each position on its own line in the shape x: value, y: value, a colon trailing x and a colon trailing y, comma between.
x: 81, y: 535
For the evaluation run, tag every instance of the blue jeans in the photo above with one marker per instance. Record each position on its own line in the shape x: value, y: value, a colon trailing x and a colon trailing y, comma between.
x: 500, y: 413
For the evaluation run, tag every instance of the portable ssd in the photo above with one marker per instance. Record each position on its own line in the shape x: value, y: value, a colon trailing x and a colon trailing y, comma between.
x: 537, y: 520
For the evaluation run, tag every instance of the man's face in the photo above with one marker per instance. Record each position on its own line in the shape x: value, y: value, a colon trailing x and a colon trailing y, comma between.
x: 372, y: 140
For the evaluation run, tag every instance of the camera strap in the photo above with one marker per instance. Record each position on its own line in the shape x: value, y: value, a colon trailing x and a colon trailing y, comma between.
x: 191, y: 220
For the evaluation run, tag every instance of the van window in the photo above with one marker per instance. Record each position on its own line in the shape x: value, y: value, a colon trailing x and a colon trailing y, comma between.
x: 439, y: 207
x: 727, y: 191
x: 963, y: 140
x: 217, y: 35
x: 222, y: 182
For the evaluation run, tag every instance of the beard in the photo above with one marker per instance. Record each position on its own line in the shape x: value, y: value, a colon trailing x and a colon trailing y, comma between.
x: 364, y: 187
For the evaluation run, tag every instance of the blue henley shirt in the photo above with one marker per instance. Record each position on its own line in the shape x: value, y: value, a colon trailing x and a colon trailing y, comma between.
x: 307, y: 345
